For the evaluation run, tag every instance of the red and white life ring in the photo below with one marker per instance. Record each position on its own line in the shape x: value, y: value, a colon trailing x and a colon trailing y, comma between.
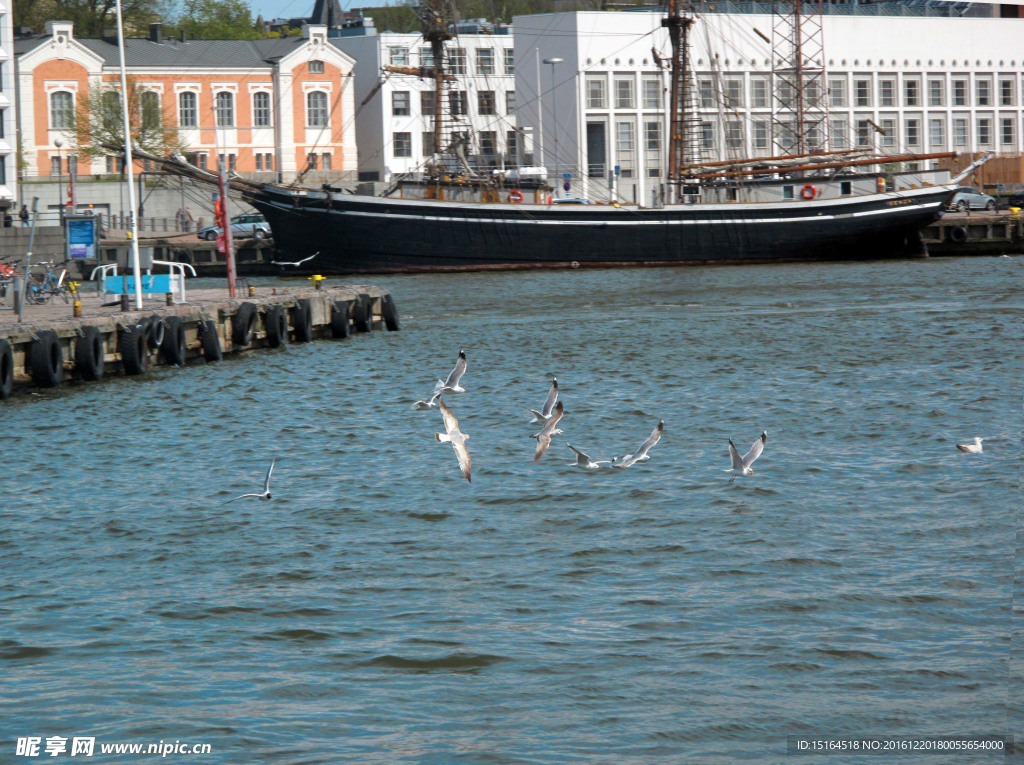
x: 808, y: 192
x: 881, y: 184
x: 515, y: 196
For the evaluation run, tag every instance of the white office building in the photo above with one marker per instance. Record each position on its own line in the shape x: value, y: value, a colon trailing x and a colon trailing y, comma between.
x: 590, y: 82
x: 393, y: 129
x: 8, y: 123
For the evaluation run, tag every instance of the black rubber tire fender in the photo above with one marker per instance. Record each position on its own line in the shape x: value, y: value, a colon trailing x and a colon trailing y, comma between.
x: 362, y: 314
x: 133, y: 345
x: 6, y: 369
x: 210, y: 341
x: 276, y: 324
x: 243, y: 324
x: 155, y: 329
x: 341, y: 317
x: 390, y: 313
x: 174, y: 347
x: 46, y: 360
x: 302, y: 321
x: 958, y: 235
x: 89, y: 354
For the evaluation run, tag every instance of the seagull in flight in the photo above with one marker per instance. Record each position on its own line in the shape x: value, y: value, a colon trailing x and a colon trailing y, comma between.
x: 456, y: 438
x: 265, y: 494
x: 641, y: 454
x: 741, y: 465
x: 452, y: 383
x: 429, y: 403
x: 974, y: 448
x: 549, y: 429
x: 295, y: 263
x: 549, y: 404
x: 584, y: 462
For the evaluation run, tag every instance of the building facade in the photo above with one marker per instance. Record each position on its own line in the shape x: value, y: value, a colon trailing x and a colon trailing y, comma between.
x: 895, y: 84
x: 273, y: 109
x: 393, y: 129
x: 8, y: 125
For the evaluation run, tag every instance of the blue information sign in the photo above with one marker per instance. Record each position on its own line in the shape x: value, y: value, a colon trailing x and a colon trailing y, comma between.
x: 81, y: 236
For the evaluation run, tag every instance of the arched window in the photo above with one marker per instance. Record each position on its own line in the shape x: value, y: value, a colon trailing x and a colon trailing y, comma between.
x: 261, y: 109
x: 112, y: 117
x: 62, y: 110
x: 225, y: 107
x: 149, y: 104
x: 316, y: 109
x: 188, y: 110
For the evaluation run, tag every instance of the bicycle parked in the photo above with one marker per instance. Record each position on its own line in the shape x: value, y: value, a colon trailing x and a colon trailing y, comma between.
x: 43, y: 287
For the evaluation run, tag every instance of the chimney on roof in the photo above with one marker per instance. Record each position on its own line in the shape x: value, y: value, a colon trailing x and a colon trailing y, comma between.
x: 110, y: 35
x: 183, y: 36
x: 156, y: 32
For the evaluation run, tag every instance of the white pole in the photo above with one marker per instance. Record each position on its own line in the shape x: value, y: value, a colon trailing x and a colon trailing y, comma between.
x: 128, y: 160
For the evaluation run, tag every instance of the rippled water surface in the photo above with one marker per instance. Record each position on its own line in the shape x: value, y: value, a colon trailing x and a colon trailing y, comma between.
x: 380, y: 609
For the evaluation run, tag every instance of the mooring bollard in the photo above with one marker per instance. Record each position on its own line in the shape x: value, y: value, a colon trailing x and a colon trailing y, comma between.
x: 316, y: 280
x: 125, y: 302
x: 77, y: 309
x: 252, y: 291
x: 170, y: 298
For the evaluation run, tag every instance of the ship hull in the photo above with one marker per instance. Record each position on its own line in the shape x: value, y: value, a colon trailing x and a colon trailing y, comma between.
x: 353, y: 234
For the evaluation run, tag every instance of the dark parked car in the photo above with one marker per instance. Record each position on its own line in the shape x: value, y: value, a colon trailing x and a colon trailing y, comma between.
x: 242, y: 226
x: 968, y: 198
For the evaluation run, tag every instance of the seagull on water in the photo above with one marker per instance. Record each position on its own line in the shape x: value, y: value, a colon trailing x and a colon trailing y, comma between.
x: 430, y: 403
x: 455, y: 437
x: 295, y: 263
x: 741, y: 465
x: 641, y: 453
x: 584, y: 462
x: 265, y: 494
x: 974, y: 448
x: 549, y: 404
x: 549, y: 429
x: 452, y: 383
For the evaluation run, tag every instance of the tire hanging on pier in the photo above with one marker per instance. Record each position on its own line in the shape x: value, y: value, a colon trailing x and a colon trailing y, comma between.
x: 302, y: 321
x: 6, y: 369
x: 340, y: 319
x: 243, y: 325
x: 276, y: 324
x: 362, y: 314
x: 155, y: 331
x: 46, y: 360
x: 173, y: 348
x: 89, y: 354
x: 210, y: 341
x: 958, y: 235
x: 389, y: 312
x: 133, y: 345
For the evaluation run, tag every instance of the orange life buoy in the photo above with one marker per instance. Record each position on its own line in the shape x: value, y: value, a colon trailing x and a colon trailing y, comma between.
x: 808, y: 192
x: 881, y: 185
x: 515, y: 196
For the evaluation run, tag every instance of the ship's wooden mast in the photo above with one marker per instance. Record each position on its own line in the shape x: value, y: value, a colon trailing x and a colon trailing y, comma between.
x: 435, y: 32
x: 678, y: 25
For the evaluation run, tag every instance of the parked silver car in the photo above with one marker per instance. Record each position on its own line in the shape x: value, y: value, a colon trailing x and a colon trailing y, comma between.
x: 968, y: 198
x: 242, y: 226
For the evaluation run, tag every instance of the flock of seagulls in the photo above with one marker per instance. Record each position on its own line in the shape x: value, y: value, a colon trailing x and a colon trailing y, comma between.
x: 550, y: 414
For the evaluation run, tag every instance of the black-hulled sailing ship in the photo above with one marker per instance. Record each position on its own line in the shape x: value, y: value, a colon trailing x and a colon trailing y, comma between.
x: 808, y: 204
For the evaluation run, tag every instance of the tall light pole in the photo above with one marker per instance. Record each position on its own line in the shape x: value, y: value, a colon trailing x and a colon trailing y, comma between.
x: 58, y: 142
x: 554, y: 113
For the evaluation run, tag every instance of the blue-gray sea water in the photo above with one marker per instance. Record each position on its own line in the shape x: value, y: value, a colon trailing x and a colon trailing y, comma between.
x: 381, y: 609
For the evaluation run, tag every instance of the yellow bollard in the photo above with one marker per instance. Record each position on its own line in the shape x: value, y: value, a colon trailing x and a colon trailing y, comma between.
x: 316, y: 280
x: 1014, y: 213
x: 77, y: 310
x: 252, y: 291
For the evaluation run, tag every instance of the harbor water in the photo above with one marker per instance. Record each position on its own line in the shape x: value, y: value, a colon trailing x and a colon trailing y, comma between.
x: 381, y: 609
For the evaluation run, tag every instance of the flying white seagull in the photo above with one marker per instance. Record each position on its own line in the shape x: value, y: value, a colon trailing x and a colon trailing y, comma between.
x: 429, y: 403
x: 584, y: 462
x: 741, y: 465
x: 452, y: 383
x: 549, y: 429
x: 265, y: 494
x: 455, y: 437
x: 296, y: 262
x: 974, y: 448
x: 641, y: 453
x: 549, y: 404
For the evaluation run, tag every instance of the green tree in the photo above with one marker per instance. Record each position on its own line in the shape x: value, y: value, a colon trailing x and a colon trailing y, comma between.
x: 90, y: 17
x: 99, y: 120
x: 218, y: 20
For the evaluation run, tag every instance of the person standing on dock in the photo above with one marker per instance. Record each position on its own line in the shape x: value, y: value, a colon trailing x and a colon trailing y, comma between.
x: 23, y: 215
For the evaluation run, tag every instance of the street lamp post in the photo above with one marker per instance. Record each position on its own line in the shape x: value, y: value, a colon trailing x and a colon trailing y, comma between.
x: 554, y: 113
x: 59, y: 142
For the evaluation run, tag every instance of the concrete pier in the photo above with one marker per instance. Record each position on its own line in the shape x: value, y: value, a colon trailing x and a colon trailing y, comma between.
x: 976, y: 233
x: 52, y: 346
